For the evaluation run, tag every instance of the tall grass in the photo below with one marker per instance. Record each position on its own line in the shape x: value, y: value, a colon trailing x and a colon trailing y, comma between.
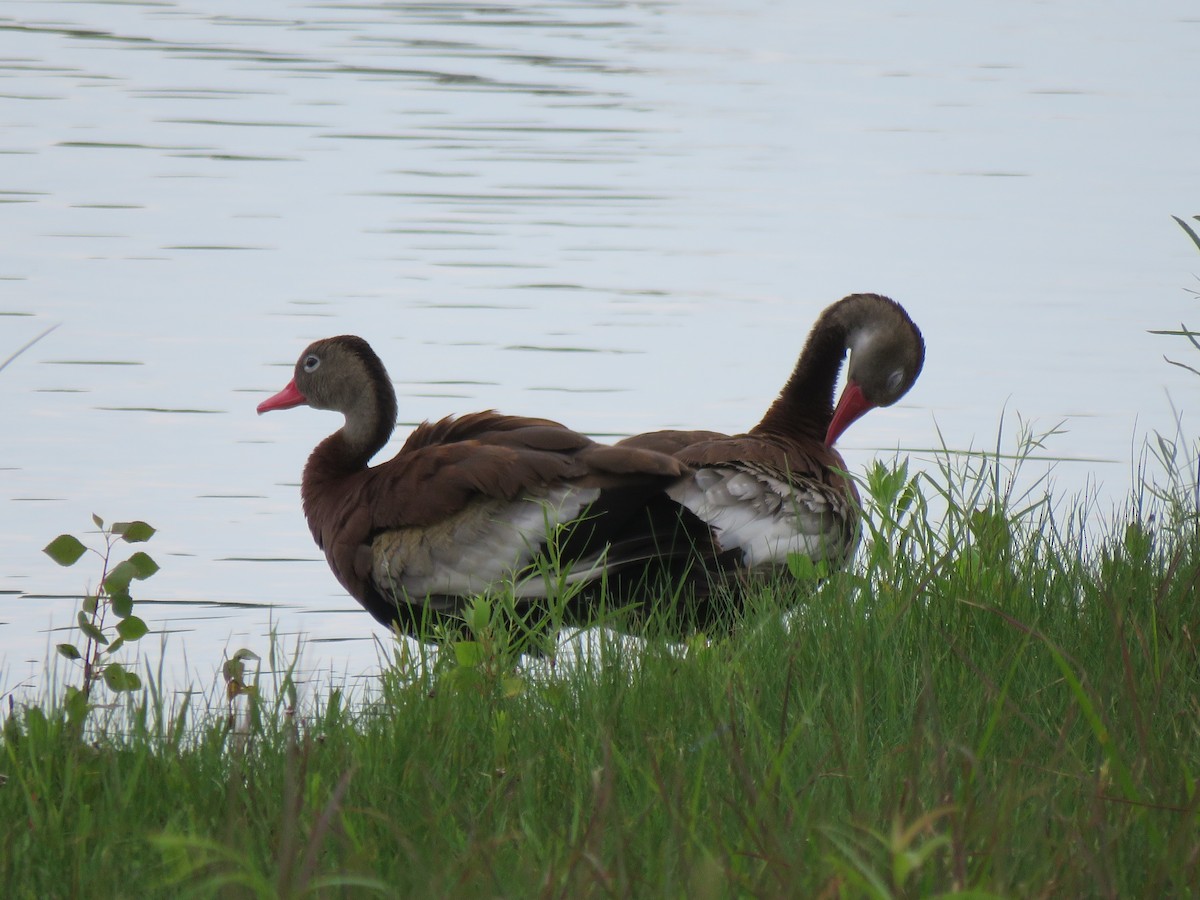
x: 1002, y: 698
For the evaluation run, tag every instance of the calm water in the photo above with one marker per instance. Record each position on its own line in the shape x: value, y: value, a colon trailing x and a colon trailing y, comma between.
x: 621, y: 215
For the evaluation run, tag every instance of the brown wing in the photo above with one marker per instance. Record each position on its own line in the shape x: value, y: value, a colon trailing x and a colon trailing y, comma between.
x: 670, y: 441
x: 447, y: 466
x: 786, y: 460
x: 444, y: 465
x: 782, y: 458
x: 491, y: 427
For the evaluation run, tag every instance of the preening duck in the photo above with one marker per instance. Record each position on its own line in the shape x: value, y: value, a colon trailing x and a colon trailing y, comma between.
x: 467, y: 504
x: 780, y: 488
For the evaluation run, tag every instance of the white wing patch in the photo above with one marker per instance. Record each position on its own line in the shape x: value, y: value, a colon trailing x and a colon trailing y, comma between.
x: 762, y: 516
x: 483, y: 547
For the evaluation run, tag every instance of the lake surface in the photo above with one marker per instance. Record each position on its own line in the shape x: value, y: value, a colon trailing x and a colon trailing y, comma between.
x: 623, y: 216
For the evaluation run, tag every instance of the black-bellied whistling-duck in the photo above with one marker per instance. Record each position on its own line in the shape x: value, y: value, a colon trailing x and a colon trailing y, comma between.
x: 467, y: 504
x: 780, y: 488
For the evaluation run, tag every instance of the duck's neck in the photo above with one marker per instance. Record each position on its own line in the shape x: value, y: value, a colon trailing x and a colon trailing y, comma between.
x: 804, y: 408
x: 370, y: 420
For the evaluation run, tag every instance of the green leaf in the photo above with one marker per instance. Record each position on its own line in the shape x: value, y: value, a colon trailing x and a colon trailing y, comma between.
x: 512, y: 686
x: 115, y: 646
x: 143, y: 564
x: 65, y: 549
x: 118, y: 579
x: 86, y: 626
x: 35, y: 719
x: 479, y: 616
x: 1191, y: 233
x: 468, y: 653
x: 91, y: 603
x: 70, y: 651
x: 77, y: 705
x: 1138, y: 541
x: 463, y: 679
x: 119, y: 679
x: 132, y: 628
x: 122, y: 604
x: 246, y: 654
x: 803, y: 568
x: 133, y: 532
x: 99, y: 522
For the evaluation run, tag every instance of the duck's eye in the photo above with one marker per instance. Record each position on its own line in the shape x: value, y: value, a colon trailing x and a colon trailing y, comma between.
x: 895, y: 380
x: 311, y: 362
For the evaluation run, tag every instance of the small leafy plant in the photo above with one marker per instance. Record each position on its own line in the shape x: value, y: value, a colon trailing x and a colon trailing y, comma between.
x: 110, y: 601
x: 487, y: 657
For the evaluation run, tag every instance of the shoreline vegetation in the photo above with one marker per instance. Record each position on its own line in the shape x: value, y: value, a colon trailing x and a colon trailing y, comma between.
x: 1000, y: 697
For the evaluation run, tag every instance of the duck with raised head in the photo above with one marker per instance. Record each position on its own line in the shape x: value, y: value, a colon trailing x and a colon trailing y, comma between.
x: 781, y: 487
x: 468, y: 504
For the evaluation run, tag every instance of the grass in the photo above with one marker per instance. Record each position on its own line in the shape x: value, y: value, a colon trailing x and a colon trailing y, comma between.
x: 1002, y: 698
